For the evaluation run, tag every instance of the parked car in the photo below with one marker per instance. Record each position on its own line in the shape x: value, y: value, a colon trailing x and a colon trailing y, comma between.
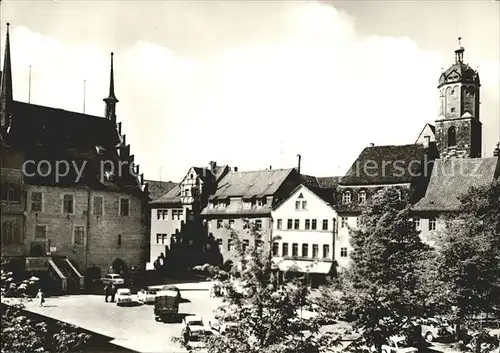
x: 123, y: 296
x: 146, y: 296
x: 113, y: 278
x: 196, y: 343
x: 433, y: 328
x: 193, y: 331
x: 397, y: 344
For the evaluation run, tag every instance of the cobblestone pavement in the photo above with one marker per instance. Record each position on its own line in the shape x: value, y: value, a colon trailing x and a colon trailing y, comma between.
x: 132, y: 327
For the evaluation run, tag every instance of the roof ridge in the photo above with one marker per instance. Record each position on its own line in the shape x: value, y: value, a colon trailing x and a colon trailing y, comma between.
x: 261, y: 170
x: 61, y: 109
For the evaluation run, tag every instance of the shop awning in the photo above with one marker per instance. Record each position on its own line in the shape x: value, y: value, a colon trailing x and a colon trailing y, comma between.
x: 302, y: 266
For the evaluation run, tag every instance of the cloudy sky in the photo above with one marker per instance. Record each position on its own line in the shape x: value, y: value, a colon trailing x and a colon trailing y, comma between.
x: 252, y: 84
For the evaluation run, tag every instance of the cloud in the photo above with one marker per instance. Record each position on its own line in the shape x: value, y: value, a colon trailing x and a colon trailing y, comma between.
x: 305, y: 82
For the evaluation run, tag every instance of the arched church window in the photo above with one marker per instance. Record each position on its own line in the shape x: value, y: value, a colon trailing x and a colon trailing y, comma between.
x: 452, y: 136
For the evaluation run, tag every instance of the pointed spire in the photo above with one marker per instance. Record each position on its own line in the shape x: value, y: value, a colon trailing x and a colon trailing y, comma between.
x: 6, y: 86
x: 111, y: 101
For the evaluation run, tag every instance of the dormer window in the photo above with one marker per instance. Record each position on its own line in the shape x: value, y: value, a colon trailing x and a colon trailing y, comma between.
x: 346, y: 197
x: 108, y: 176
x: 362, y: 196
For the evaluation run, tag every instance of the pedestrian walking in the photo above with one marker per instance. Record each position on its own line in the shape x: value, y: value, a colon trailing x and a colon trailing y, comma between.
x: 106, y: 292
x: 40, y: 297
x: 113, y: 293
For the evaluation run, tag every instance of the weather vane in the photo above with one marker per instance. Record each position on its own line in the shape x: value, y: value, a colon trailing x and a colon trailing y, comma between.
x: 459, y: 41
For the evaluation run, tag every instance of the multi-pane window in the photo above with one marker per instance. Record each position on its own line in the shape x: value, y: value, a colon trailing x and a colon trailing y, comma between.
x: 362, y: 196
x: 289, y: 223
x: 40, y: 232
x: 416, y: 221
x: 315, y: 251
x: 295, y: 249
x: 325, y: 224
x: 279, y: 224
x: 245, y: 244
x: 219, y: 243
x: 305, y: 250
x: 36, y: 201
x: 219, y: 223
x: 275, y: 249
x: 343, y: 222
x: 326, y: 251
x: 246, y: 224
x: 161, y: 238
x: 124, y: 207
x: 258, y: 224
x: 304, y: 205
x: 98, y: 205
x: 357, y: 222
x: 297, y: 205
x: 432, y: 224
x: 68, y: 204
x: 11, y: 233
x: 231, y: 224
x: 307, y: 224
x: 313, y: 224
x: 161, y: 214
x: 296, y: 224
x: 346, y: 197
x: 79, y: 235
x: 229, y: 244
x: 343, y: 252
x: 284, y: 249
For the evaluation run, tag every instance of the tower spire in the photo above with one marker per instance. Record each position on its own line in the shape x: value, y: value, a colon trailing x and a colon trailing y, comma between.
x: 6, y: 87
x: 459, y: 53
x: 111, y: 101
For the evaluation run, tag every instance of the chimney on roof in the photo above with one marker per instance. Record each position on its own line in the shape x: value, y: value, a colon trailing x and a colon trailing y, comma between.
x: 372, y: 144
x: 299, y: 160
x: 235, y: 169
x: 496, y: 150
x: 212, y: 165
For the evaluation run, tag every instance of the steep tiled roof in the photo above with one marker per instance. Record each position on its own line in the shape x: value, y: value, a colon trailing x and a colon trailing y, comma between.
x: 326, y: 194
x: 452, y: 178
x: 386, y: 165
x: 35, y: 124
x: 329, y: 182
x: 251, y: 184
x: 159, y: 188
x: 173, y: 196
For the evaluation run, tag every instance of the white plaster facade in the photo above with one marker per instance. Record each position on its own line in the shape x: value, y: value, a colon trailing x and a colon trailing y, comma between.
x: 306, y: 226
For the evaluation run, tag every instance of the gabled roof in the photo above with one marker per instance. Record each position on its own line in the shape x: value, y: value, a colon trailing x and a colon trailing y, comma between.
x: 157, y: 189
x: 386, y: 165
x: 258, y: 183
x: 315, y: 191
x: 39, y: 125
x: 431, y: 127
x: 452, y: 178
x: 173, y: 196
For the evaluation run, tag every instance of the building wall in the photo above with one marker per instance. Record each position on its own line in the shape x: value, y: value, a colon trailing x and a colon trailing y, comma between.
x: 107, y: 237
x: 315, y: 209
x: 165, y: 222
x: 12, y: 210
x: 349, y: 212
x: 218, y: 225
x: 430, y: 224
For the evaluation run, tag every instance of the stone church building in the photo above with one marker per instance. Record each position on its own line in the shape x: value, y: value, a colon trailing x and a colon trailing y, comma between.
x: 72, y: 196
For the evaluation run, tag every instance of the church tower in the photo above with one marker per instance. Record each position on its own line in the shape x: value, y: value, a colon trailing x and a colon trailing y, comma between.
x: 458, y: 128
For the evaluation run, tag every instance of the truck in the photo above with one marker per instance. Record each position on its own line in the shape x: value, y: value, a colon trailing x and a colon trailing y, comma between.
x: 166, y: 305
